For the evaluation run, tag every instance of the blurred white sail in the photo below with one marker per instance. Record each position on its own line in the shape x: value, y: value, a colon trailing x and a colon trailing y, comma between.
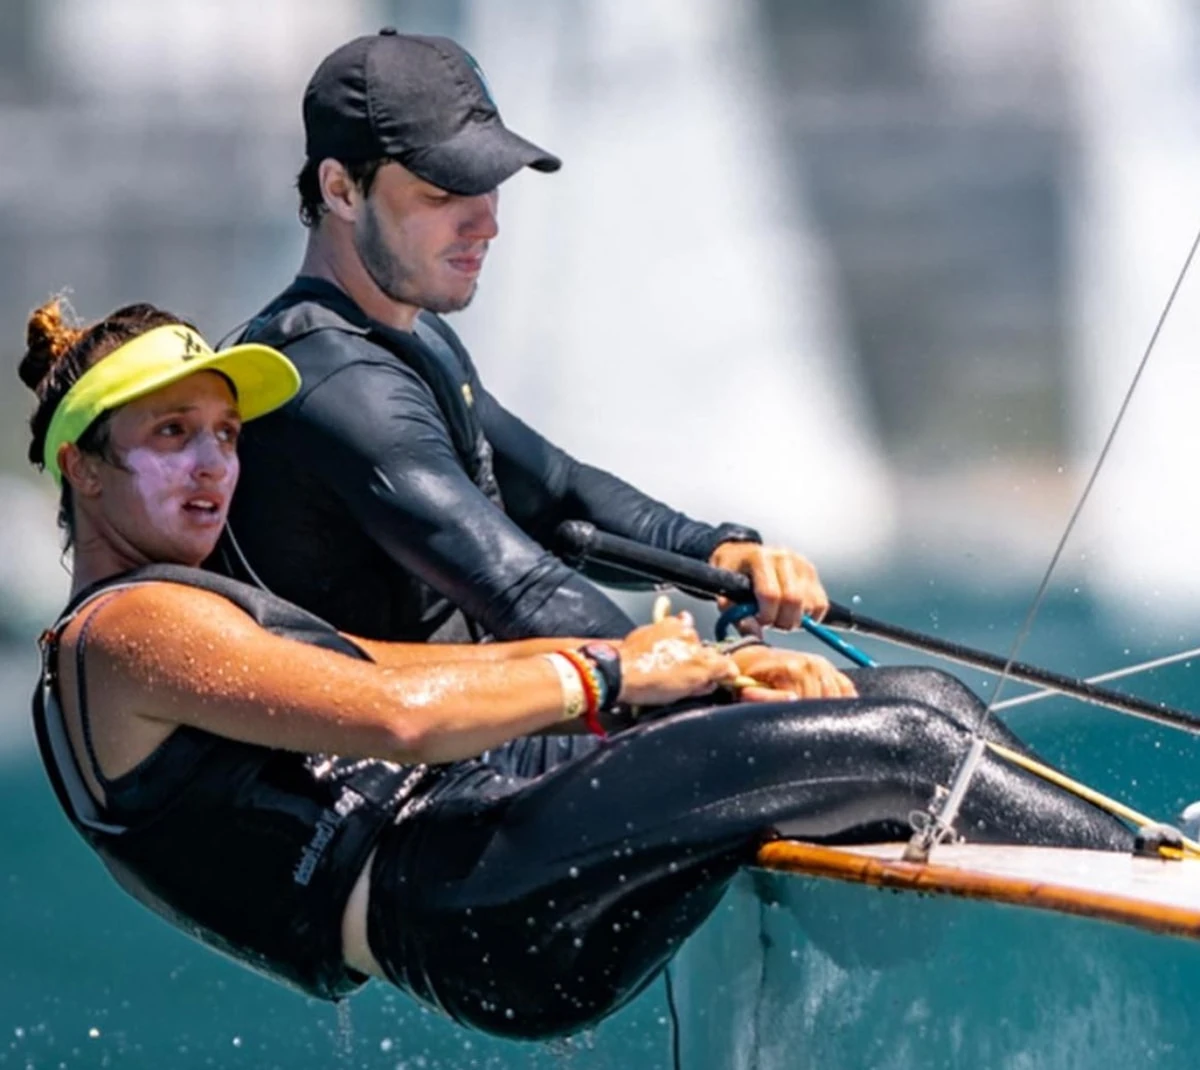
x: 180, y: 54
x: 1137, y: 210
x: 661, y: 306
x: 34, y: 581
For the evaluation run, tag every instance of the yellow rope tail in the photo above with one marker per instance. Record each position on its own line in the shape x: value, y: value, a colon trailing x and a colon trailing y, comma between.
x: 1190, y: 847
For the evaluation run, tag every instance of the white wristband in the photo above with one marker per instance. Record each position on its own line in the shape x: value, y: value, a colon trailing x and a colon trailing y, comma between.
x: 573, y: 697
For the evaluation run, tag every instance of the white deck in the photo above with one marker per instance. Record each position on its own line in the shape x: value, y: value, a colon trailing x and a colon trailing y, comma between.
x: 1163, y: 882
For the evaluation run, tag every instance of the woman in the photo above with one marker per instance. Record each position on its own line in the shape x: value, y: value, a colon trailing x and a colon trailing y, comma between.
x: 314, y: 804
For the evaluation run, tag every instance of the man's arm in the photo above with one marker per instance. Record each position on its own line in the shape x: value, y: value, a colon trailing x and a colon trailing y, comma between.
x: 543, y: 485
x: 374, y: 433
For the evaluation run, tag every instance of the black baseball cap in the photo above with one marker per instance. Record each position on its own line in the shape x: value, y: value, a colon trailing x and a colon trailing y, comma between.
x: 423, y: 102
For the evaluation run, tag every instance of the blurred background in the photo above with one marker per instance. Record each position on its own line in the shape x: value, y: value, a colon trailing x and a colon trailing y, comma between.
x: 871, y: 275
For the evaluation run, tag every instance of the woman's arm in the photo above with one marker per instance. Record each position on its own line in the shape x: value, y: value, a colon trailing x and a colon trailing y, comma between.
x: 179, y: 655
x: 184, y: 656
x: 406, y: 655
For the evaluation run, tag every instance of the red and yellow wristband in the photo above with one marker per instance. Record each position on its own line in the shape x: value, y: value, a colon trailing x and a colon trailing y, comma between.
x: 590, y: 680
x: 593, y: 688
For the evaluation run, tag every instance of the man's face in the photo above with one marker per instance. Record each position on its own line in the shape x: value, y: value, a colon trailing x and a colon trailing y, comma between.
x: 421, y: 245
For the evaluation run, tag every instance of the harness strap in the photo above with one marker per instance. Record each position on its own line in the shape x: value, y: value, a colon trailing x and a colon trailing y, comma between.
x: 50, y: 726
x: 85, y: 720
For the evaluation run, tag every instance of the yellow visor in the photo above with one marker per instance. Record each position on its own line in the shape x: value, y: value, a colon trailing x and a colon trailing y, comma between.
x: 263, y: 378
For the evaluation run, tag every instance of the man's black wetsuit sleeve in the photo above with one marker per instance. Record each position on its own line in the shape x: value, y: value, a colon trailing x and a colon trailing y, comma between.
x: 374, y: 433
x: 543, y: 486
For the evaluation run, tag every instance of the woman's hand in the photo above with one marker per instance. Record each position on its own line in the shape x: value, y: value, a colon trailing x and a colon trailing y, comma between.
x: 666, y: 661
x: 789, y: 674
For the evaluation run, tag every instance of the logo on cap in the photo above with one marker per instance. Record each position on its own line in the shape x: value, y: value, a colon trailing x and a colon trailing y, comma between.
x: 191, y: 347
x: 483, y: 82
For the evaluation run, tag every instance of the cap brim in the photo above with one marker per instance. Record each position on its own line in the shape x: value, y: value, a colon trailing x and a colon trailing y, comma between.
x: 477, y: 159
x: 263, y: 378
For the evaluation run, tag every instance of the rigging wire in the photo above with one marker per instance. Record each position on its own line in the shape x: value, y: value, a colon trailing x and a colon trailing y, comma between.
x: 1102, y: 678
x: 936, y: 824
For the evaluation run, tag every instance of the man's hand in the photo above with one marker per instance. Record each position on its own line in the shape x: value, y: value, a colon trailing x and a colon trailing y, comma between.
x: 785, y: 584
x: 786, y: 674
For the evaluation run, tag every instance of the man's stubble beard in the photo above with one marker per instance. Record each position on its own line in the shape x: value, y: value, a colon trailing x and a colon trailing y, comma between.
x: 394, y: 277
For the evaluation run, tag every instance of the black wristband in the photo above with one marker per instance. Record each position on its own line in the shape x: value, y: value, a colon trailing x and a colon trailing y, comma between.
x: 705, y: 548
x: 606, y: 660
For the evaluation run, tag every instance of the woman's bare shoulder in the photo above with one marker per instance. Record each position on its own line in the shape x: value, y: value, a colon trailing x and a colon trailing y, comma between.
x: 161, y: 613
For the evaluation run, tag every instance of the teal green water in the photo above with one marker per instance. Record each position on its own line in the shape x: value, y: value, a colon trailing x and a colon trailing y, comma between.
x: 89, y: 979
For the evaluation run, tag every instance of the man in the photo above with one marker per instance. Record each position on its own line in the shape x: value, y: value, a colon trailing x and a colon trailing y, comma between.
x: 394, y: 496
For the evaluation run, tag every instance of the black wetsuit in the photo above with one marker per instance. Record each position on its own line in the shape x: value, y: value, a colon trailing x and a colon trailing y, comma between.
x: 394, y: 488
x: 536, y: 890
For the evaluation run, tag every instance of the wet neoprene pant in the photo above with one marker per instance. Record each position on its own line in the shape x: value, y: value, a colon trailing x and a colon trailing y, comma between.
x: 534, y: 905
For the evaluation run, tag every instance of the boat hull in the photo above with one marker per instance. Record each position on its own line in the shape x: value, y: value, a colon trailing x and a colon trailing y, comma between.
x: 849, y: 975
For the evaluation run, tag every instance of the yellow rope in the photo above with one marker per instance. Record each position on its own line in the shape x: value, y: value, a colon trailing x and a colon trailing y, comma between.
x: 1190, y: 847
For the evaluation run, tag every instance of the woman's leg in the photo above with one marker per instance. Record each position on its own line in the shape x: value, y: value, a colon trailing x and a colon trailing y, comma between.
x: 535, y: 909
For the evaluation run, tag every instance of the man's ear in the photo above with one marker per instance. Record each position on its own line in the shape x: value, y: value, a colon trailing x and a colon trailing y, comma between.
x: 339, y: 191
x: 81, y: 470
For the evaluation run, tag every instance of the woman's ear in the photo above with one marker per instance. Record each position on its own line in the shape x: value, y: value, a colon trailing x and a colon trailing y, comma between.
x: 81, y: 470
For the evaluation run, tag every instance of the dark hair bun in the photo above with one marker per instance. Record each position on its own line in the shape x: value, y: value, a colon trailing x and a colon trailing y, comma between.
x: 48, y: 338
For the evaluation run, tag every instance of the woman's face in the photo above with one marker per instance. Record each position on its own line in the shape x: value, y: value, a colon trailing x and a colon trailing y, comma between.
x: 166, y: 497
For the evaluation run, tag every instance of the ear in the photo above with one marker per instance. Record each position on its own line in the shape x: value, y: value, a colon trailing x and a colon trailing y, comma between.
x: 339, y: 191
x: 81, y: 470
